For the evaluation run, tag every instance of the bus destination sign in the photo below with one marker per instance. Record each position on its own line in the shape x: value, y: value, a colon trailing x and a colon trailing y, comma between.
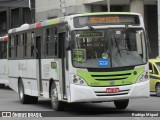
x: 83, y: 21
x: 105, y: 19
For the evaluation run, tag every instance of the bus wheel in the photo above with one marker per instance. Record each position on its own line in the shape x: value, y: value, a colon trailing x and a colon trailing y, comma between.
x: 25, y: 99
x: 2, y: 85
x: 121, y: 104
x: 158, y: 89
x: 56, y: 104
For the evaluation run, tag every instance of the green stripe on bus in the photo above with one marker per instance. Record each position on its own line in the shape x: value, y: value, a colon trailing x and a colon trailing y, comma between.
x: 99, y: 79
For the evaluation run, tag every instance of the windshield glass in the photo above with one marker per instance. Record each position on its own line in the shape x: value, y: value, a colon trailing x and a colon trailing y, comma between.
x: 128, y: 47
x: 158, y: 65
x: 109, y: 48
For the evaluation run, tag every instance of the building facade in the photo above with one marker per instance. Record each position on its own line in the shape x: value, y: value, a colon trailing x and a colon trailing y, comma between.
x: 147, y: 8
x: 47, y: 9
x: 11, y: 17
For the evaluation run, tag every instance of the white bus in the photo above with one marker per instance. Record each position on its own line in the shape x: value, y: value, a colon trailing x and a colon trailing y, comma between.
x: 91, y: 57
x: 3, y: 62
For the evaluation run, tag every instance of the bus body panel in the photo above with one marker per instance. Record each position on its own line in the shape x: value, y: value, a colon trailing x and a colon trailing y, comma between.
x: 13, y: 84
x: 23, y: 68
x: 79, y: 94
x: 135, y: 90
x: 51, y: 70
x: 4, y: 71
x: 27, y: 71
x: 3, y: 61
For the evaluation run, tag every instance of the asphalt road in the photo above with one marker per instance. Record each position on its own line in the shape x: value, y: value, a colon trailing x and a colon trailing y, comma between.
x: 9, y: 101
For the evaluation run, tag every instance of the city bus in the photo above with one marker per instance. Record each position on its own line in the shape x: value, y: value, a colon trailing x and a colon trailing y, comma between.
x: 90, y: 57
x: 3, y: 62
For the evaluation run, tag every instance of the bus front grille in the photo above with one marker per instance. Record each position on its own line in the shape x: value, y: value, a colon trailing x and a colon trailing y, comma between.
x: 109, y: 77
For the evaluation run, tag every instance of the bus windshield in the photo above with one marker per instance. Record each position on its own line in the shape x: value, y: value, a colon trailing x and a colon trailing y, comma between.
x: 109, y: 48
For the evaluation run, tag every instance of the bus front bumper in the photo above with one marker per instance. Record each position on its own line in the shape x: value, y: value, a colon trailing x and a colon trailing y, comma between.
x: 99, y: 94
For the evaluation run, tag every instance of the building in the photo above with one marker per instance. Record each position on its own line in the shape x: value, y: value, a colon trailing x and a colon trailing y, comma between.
x: 47, y: 9
x: 12, y: 16
x: 148, y: 8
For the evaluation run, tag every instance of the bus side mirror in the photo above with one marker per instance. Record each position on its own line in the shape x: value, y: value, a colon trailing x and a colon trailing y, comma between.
x: 67, y: 44
x: 68, y: 38
x: 68, y: 48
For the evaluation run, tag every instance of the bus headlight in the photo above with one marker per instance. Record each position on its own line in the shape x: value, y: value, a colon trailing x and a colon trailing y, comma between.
x: 76, y: 79
x: 144, y: 77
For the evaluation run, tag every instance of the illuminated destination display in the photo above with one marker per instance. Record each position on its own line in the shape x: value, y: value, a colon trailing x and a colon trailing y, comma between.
x: 83, y: 21
x: 103, y: 19
x: 89, y: 34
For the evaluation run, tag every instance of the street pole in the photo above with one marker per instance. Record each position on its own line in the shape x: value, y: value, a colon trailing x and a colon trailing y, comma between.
x: 108, y: 5
x: 158, y: 9
x: 8, y: 18
x: 63, y: 6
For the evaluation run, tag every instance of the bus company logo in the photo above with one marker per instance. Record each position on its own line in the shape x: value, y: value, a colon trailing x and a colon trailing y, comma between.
x: 6, y: 114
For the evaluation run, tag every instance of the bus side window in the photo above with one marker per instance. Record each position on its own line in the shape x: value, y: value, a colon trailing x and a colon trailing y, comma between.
x: 1, y: 50
x: 25, y: 44
x: 16, y: 46
x: 51, y: 42
x: 12, y: 48
x: 20, y: 46
x: 5, y: 50
x: 28, y: 41
x: 9, y: 47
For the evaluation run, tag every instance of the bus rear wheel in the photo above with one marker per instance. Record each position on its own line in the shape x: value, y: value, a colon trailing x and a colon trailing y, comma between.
x: 158, y: 89
x: 25, y: 99
x: 56, y: 104
x: 121, y: 104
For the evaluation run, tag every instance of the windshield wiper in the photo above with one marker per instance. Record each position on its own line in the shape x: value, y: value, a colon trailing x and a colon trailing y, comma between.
x: 117, y: 47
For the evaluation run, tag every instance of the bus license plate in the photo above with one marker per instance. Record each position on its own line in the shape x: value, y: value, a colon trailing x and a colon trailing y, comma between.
x: 112, y: 90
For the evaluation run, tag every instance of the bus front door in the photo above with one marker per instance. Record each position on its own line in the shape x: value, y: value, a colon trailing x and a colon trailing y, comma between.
x: 38, y: 63
x: 61, y: 37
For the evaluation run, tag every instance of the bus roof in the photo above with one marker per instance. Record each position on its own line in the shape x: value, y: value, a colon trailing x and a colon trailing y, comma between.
x: 37, y: 25
x: 111, y: 13
x: 62, y: 20
x: 4, y: 38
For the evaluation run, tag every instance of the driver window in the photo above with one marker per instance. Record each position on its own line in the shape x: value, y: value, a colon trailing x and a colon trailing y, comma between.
x: 155, y: 70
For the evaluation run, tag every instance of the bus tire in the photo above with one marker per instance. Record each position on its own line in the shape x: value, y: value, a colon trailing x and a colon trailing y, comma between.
x: 22, y: 97
x: 56, y: 104
x: 158, y: 89
x: 121, y: 104
x: 2, y: 85
x: 25, y: 99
